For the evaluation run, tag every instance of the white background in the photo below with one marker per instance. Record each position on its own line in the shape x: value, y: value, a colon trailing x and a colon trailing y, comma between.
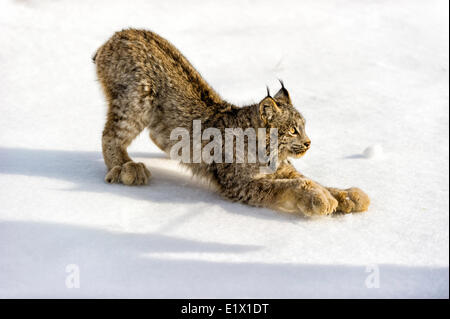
x: 363, y: 73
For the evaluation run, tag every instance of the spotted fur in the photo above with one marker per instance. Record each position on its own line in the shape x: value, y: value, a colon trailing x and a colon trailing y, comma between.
x: 148, y: 83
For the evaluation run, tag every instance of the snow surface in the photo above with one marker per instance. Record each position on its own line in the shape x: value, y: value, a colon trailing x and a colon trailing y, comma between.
x: 363, y: 73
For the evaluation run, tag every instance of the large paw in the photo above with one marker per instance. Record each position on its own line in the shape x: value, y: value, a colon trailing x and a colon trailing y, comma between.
x: 351, y: 199
x: 316, y: 200
x: 130, y: 173
x: 113, y: 176
x: 359, y: 198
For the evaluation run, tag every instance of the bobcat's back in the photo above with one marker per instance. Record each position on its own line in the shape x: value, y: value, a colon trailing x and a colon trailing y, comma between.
x: 149, y: 83
x: 142, y: 63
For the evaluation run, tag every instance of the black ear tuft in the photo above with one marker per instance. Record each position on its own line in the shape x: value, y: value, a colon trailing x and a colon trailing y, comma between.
x: 283, y: 95
x: 268, y: 91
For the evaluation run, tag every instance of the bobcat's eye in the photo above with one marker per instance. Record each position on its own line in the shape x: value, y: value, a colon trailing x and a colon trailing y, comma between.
x: 292, y: 131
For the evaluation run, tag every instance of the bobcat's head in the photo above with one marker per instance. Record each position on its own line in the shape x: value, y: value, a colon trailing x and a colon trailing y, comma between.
x: 278, y: 112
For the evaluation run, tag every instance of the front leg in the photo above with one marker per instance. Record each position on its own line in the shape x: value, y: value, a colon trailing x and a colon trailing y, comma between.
x: 293, y: 192
x: 288, y: 195
x: 350, y: 200
x: 308, y: 198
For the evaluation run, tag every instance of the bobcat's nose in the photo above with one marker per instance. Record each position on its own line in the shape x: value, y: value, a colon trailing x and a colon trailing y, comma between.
x: 307, y: 144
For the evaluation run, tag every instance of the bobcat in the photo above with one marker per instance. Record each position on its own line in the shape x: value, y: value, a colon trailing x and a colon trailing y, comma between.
x: 149, y: 83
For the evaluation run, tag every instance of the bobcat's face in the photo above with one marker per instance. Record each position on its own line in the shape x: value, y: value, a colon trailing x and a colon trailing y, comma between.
x: 278, y: 112
x: 292, y: 138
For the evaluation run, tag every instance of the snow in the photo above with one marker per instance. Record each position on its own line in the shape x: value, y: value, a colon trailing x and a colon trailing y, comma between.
x: 374, y: 151
x: 363, y: 73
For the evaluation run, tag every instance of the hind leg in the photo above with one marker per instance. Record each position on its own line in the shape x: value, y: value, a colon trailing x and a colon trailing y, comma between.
x: 119, y: 132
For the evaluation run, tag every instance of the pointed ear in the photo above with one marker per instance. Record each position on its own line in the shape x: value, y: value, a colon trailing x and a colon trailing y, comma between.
x: 283, y: 95
x: 267, y: 109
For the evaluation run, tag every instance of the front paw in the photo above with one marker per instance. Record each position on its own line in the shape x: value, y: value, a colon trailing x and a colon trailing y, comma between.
x: 359, y: 198
x: 130, y: 173
x: 351, y: 200
x: 316, y: 200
